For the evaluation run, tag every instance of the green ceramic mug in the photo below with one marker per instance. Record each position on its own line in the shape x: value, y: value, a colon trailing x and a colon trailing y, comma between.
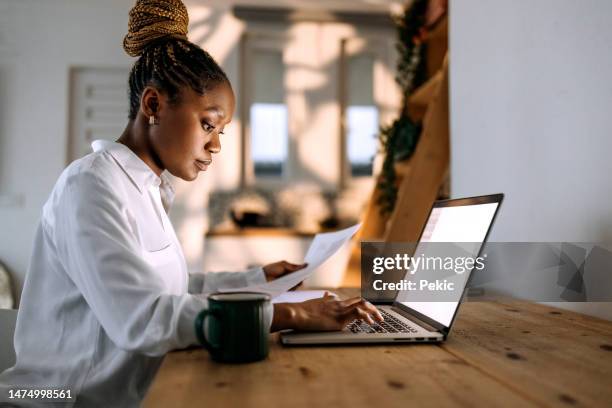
x: 237, y: 329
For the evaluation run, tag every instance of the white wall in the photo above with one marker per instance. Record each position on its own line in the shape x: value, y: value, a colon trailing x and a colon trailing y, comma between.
x: 531, y: 116
x: 34, y: 61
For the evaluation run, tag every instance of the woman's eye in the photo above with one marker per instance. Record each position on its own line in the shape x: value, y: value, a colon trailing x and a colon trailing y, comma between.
x: 207, y: 127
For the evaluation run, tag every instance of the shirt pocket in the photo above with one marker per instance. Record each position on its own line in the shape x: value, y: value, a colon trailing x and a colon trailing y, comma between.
x: 167, y: 267
x: 156, y: 243
x: 152, y: 236
x: 159, y: 251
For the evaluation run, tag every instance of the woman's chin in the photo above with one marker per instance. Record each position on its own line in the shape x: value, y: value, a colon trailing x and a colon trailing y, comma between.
x: 187, y: 175
x: 192, y: 176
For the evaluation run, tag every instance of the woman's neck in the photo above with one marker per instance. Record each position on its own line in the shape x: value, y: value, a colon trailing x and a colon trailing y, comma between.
x: 135, y: 136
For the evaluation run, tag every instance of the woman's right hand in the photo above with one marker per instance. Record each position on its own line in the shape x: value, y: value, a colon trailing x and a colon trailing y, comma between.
x: 323, y: 314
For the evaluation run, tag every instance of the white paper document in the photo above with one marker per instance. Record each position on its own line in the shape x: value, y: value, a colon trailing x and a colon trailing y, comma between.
x: 323, y: 246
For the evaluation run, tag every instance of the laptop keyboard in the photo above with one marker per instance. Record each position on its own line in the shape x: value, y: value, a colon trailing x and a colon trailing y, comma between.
x: 391, y: 324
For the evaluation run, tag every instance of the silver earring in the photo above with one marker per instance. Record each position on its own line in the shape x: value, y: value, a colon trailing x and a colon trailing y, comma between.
x: 152, y: 120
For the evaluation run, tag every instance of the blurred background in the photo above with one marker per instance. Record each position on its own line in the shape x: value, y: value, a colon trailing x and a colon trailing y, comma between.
x: 348, y: 111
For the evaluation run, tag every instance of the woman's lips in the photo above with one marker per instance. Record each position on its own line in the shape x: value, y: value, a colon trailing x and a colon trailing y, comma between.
x: 202, y: 164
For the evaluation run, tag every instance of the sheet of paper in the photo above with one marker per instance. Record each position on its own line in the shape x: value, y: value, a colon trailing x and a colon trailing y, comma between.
x: 297, y: 296
x: 323, y: 246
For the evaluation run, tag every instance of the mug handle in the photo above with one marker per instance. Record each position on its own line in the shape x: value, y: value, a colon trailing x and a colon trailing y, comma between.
x: 199, y: 328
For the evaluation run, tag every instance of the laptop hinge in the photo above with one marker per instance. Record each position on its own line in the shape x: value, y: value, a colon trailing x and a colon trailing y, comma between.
x: 416, y: 320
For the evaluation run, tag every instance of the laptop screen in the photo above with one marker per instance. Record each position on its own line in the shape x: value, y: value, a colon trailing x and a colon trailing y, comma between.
x: 461, y: 223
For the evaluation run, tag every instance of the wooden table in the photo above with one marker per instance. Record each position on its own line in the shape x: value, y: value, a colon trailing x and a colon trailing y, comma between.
x: 500, y: 353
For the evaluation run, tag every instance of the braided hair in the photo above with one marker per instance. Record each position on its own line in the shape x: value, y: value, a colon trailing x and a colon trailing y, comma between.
x: 157, y: 34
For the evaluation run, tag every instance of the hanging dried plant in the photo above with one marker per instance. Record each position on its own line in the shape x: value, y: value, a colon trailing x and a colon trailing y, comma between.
x: 399, y: 140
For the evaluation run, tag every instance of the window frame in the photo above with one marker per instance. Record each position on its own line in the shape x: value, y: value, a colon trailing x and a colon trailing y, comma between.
x: 382, y: 50
x: 278, y: 38
x: 251, y: 42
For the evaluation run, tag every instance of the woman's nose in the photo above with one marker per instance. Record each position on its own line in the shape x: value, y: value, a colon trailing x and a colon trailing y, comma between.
x: 214, y: 145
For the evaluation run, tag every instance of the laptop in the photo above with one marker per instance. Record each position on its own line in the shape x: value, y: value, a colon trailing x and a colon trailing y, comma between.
x: 405, y: 321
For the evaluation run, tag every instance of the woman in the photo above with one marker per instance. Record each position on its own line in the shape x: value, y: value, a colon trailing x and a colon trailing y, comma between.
x: 107, y: 292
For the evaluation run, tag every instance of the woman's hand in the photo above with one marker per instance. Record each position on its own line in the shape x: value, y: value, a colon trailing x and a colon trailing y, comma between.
x: 323, y: 314
x: 277, y: 269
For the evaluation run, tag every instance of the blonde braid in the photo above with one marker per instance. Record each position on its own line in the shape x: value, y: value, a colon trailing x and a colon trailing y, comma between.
x: 153, y: 19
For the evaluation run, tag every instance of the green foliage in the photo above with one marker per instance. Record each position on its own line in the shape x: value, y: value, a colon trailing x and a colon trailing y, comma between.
x: 410, y: 33
x: 399, y: 141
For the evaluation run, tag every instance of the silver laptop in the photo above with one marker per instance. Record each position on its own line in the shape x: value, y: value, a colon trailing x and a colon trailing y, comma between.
x: 460, y: 220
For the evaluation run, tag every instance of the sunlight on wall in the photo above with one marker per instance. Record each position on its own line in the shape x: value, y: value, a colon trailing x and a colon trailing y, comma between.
x: 320, y: 143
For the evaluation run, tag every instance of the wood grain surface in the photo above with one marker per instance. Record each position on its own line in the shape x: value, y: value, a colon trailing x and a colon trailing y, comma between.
x: 500, y: 353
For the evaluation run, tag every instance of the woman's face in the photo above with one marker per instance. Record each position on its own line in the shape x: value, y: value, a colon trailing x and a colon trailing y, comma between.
x: 188, y: 134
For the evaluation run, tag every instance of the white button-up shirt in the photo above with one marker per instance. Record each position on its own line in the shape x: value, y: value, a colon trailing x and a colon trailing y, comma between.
x: 107, y: 293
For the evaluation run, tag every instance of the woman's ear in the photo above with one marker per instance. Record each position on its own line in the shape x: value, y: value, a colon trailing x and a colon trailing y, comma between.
x: 151, y: 102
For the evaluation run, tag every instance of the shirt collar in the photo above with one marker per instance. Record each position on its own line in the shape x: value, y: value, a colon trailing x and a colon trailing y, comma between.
x: 138, y: 171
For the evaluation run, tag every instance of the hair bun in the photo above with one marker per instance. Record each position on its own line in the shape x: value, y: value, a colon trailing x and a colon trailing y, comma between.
x: 153, y: 19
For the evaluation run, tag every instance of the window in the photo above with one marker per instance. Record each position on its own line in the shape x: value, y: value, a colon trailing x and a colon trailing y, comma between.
x: 268, y: 115
x: 362, y: 124
x: 268, y: 138
x: 313, y: 97
x: 361, y: 115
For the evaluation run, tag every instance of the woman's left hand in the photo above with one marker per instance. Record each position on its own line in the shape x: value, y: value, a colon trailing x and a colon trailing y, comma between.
x: 277, y: 269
